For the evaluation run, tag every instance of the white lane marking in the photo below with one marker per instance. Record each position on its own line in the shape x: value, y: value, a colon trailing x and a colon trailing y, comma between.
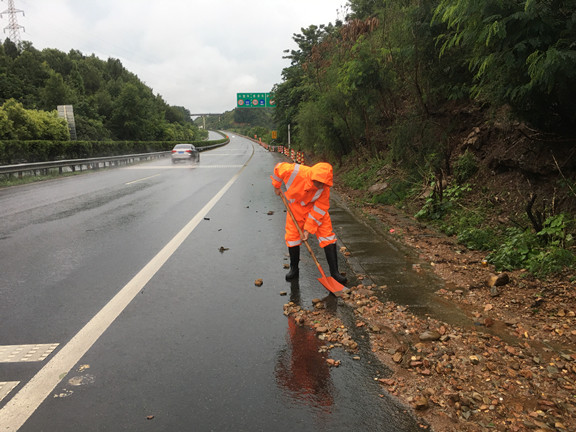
x: 157, y: 167
x: 6, y: 387
x: 167, y: 167
x: 218, y: 166
x: 18, y: 409
x: 142, y: 179
x: 223, y: 154
x: 25, y: 353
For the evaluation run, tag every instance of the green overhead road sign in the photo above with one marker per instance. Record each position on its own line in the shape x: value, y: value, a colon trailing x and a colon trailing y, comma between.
x: 255, y: 100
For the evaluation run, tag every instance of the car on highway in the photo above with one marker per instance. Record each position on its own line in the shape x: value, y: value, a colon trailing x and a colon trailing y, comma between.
x: 186, y: 153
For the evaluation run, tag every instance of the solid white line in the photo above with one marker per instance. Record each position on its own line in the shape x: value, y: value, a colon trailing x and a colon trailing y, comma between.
x: 18, y: 409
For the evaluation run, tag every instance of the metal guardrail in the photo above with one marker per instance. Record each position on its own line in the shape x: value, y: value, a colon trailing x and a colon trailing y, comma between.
x: 73, y: 165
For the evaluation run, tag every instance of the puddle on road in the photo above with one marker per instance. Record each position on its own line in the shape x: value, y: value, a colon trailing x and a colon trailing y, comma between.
x: 340, y: 398
x: 302, y: 370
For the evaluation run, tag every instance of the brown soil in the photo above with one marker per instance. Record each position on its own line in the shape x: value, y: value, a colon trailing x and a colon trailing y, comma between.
x: 514, y: 370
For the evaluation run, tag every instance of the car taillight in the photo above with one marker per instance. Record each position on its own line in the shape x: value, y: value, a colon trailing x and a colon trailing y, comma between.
x: 189, y: 151
x: 173, y: 151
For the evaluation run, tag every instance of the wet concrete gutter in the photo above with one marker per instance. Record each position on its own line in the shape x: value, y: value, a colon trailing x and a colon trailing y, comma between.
x: 385, y: 262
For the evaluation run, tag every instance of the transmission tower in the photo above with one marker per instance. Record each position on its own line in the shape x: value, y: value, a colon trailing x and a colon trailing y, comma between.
x: 13, y: 26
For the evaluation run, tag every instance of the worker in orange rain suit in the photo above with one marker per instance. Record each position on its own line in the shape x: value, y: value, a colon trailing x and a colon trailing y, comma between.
x: 308, y: 194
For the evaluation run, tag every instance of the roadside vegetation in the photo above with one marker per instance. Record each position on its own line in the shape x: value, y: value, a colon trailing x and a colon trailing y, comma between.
x: 110, y: 103
x: 462, y: 111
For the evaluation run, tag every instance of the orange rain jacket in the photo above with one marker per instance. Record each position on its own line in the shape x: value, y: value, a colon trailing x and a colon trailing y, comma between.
x: 309, y: 204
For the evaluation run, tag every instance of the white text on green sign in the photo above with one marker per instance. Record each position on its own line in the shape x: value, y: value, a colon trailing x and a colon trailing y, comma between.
x: 254, y: 100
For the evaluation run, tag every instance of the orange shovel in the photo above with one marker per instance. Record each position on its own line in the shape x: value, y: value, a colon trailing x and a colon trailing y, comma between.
x: 329, y: 282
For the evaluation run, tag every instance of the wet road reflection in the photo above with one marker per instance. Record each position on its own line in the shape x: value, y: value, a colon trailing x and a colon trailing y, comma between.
x: 302, y: 371
x: 200, y: 347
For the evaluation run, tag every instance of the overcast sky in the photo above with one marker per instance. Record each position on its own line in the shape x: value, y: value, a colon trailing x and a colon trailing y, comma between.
x: 194, y: 53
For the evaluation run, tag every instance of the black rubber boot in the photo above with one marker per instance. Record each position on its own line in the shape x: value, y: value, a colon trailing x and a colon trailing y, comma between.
x: 332, y: 258
x: 294, y: 272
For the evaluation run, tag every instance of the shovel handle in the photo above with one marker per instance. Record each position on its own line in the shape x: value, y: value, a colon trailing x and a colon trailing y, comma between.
x: 301, y: 233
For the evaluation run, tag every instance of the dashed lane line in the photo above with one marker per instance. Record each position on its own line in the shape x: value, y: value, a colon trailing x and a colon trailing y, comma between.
x: 142, y: 179
x: 25, y: 353
x: 6, y: 387
x: 21, y: 354
x: 218, y: 166
x: 180, y: 167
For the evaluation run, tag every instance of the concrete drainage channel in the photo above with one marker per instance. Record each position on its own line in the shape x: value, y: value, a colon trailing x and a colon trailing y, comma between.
x: 383, y: 263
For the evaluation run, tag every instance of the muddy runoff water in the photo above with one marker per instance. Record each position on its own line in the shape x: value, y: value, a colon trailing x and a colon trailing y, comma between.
x: 384, y: 262
x: 410, y: 282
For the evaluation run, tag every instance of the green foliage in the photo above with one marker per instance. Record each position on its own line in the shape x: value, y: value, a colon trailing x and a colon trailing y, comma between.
x: 550, y: 261
x: 378, y: 84
x: 415, y: 145
x: 439, y: 203
x: 525, y: 249
x: 555, y: 230
x: 475, y: 238
x: 261, y: 117
x: 470, y: 228
x: 109, y: 101
x: 22, y: 124
x: 516, y: 251
x: 396, y: 192
x: 521, y: 53
x: 465, y: 167
x: 358, y: 177
x: 364, y: 8
x: 543, y: 253
x: 378, y: 79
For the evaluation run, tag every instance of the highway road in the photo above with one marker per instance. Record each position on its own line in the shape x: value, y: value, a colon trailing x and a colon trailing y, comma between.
x: 128, y: 303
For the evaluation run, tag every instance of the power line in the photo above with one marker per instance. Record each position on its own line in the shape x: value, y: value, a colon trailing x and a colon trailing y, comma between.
x: 13, y: 27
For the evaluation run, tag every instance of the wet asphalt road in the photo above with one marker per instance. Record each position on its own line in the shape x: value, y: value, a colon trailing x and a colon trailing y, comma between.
x: 196, y: 346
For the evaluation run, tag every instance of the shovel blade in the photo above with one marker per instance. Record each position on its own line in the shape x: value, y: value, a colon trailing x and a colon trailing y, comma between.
x: 332, y: 285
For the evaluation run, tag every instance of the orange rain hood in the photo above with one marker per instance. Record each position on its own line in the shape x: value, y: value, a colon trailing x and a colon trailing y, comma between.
x: 322, y: 172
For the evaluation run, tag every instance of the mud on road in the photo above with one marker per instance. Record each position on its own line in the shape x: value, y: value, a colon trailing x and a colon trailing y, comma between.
x: 512, y: 368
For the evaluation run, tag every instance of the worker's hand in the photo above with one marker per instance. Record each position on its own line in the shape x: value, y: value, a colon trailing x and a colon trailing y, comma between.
x: 305, y: 235
x: 277, y: 191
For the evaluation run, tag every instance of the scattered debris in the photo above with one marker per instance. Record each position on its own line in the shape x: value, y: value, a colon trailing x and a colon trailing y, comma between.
x: 82, y: 380
x: 457, y: 379
x: 333, y: 363
x: 499, y: 280
x: 65, y: 393
x: 258, y: 282
x: 513, y: 368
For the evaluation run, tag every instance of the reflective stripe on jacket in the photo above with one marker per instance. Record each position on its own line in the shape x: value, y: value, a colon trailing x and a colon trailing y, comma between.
x: 303, y: 196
